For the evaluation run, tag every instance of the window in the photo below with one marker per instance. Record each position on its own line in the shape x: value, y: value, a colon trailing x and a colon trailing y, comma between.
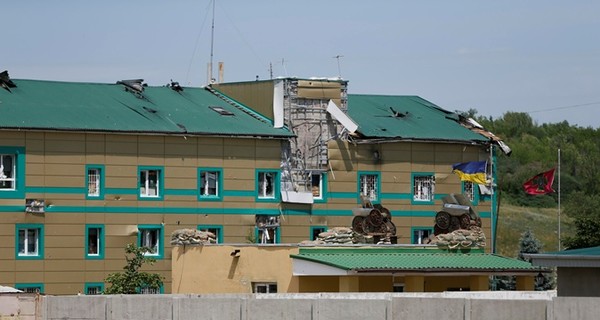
x: 29, y: 241
x: 267, y: 229
x: 398, y: 287
x: 470, y: 191
x: 423, y: 187
x: 94, y: 244
x: 150, y: 236
x: 214, y: 229
x: 421, y: 235
x: 315, y: 231
x: 147, y: 290
x: 267, y: 185
x: 368, y: 184
x: 30, y: 287
x: 8, y: 168
x: 210, y: 183
x: 12, y: 172
x: 93, y: 288
x: 318, y: 181
x: 150, y: 183
x: 94, y: 181
x: 264, y: 287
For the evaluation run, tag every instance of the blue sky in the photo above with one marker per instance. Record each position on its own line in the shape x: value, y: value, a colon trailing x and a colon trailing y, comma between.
x: 541, y: 57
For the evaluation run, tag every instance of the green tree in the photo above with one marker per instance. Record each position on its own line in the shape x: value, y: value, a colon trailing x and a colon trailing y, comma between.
x: 585, y: 211
x: 528, y: 244
x: 132, y: 279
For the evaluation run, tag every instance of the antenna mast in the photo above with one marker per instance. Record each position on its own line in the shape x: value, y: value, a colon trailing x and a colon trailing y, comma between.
x: 338, y: 62
x: 212, y: 41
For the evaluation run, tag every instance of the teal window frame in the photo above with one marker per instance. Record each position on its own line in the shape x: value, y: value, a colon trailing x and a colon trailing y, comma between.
x: 37, y: 285
x: 101, y: 237
x: 311, y: 235
x: 359, y: 176
x: 412, y: 188
x: 88, y: 285
x: 219, y: 195
x: 161, y: 239
x: 161, y: 183
x: 412, y: 232
x: 213, y: 226
x: 19, y: 187
x: 40, y: 251
x: 100, y: 169
x: 475, y: 200
x: 276, y: 185
x: 277, y: 235
x: 323, y: 190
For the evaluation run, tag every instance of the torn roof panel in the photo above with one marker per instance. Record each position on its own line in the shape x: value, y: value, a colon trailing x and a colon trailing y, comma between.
x: 52, y: 105
x: 406, y: 117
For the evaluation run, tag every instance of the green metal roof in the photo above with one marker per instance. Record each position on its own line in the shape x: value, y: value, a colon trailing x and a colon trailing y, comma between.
x: 407, y: 259
x: 592, y: 251
x: 406, y: 118
x: 52, y: 105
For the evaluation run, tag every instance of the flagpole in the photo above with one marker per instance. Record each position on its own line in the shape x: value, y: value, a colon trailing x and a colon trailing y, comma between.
x: 558, y: 199
x: 493, y: 225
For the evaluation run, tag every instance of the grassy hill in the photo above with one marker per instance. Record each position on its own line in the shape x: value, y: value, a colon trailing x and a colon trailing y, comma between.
x: 514, y: 220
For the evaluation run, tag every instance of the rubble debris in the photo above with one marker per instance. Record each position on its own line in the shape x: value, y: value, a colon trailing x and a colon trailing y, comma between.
x: 192, y: 237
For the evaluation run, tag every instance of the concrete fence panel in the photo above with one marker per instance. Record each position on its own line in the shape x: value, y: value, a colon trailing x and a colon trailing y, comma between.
x: 508, y: 309
x: 209, y: 308
x: 275, y: 309
x: 580, y: 308
x: 353, y: 309
x: 140, y: 307
x: 428, y: 308
x: 76, y: 307
x: 18, y: 306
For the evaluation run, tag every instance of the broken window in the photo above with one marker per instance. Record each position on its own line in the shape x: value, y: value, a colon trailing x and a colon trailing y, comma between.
x: 150, y: 238
x: 266, y: 184
x: 316, y: 179
x: 150, y: 183
x: 95, y: 239
x: 369, y: 186
x: 423, y: 187
x: 7, y: 171
x: 421, y: 235
x: 209, y: 183
x: 267, y: 229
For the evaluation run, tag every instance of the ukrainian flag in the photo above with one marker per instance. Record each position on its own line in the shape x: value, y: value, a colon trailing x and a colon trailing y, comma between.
x: 471, y: 171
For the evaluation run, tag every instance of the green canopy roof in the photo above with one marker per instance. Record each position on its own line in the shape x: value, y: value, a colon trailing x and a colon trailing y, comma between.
x: 95, y: 107
x: 406, y: 118
x: 408, y: 259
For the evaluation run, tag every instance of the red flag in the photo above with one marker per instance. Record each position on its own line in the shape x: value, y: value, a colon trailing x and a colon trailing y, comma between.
x: 540, y: 184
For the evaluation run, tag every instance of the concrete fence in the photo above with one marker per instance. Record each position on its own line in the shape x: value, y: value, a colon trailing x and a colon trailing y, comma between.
x: 363, y: 306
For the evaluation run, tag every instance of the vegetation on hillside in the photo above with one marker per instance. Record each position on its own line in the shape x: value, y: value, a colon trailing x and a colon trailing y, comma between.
x: 535, y: 150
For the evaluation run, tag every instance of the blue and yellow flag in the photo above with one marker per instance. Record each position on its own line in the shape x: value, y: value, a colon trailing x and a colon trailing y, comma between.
x: 471, y: 171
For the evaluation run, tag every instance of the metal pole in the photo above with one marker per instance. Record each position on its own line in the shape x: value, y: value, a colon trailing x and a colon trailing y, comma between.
x: 493, y: 222
x: 559, y: 199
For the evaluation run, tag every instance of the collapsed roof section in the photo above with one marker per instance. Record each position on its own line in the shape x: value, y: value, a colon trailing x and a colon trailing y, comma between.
x: 386, y: 118
x: 96, y: 107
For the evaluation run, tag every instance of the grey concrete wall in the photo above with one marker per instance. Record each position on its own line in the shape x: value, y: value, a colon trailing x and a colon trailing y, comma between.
x: 22, y: 306
x: 375, y: 306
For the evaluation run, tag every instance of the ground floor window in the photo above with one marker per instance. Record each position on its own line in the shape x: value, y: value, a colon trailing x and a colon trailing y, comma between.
x: 264, y: 287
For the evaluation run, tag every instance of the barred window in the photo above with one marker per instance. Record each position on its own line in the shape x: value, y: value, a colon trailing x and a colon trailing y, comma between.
x: 368, y: 186
x: 93, y: 182
x: 423, y: 188
x: 469, y: 190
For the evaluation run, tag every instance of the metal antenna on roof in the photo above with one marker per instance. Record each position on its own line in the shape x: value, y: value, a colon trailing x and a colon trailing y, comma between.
x: 338, y: 62
x: 212, y: 41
